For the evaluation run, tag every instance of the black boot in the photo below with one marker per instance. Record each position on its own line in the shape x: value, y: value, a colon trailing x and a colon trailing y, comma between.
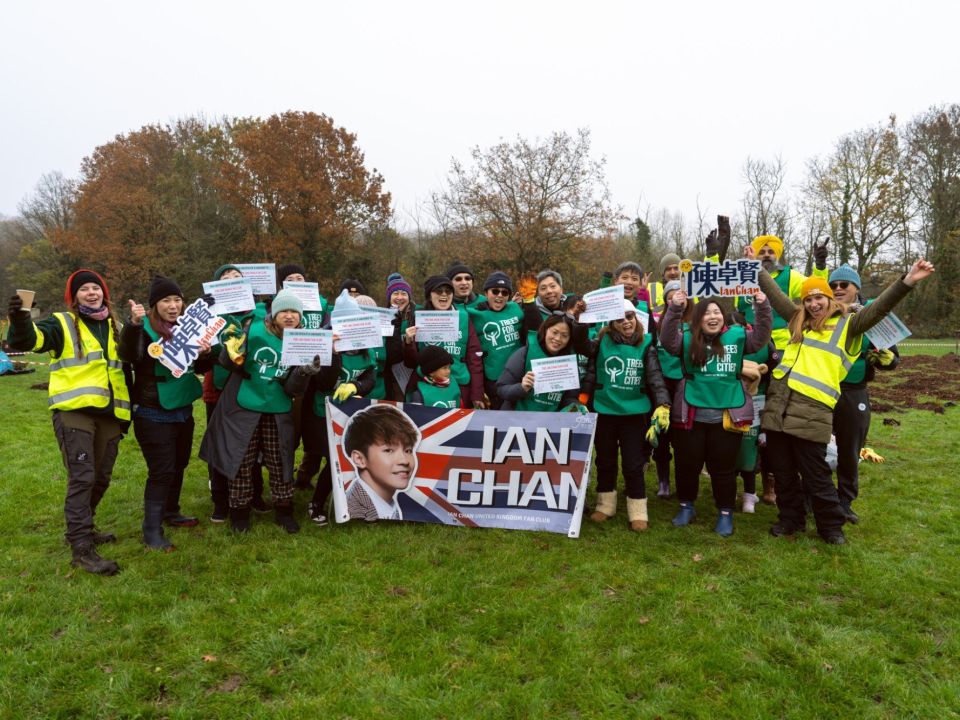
x: 102, y: 538
x: 284, y: 516
x: 86, y: 558
x: 240, y: 519
x: 171, y: 513
x: 153, y: 536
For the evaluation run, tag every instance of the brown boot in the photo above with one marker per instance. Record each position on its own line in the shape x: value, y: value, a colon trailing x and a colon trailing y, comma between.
x: 769, y: 496
x: 637, y: 514
x: 606, y: 506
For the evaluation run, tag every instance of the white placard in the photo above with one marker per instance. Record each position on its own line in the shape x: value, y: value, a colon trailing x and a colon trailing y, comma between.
x: 357, y: 332
x: 386, y: 316
x: 197, y: 324
x: 555, y: 374
x: 759, y: 403
x: 262, y: 277
x: 308, y: 292
x: 301, y: 346
x: 603, y: 305
x: 888, y: 332
x: 437, y: 326
x: 232, y: 296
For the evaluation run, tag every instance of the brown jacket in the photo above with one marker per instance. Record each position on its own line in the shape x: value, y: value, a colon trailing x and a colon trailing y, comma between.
x: 796, y: 414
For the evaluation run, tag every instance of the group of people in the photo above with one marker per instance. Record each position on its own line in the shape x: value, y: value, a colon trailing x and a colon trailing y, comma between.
x: 756, y: 386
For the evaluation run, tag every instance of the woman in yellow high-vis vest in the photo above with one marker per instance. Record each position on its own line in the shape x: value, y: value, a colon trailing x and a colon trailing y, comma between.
x: 89, y: 399
x: 798, y: 417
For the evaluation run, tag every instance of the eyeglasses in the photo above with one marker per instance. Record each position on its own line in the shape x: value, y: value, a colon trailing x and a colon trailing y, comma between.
x: 629, y: 316
x: 841, y: 284
x: 462, y: 278
x: 502, y: 292
x: 444, y: 290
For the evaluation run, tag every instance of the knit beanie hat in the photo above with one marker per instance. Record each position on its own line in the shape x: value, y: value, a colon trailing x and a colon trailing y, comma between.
x: 845, y: 272
x: 544, y: 274
x: 459, y: 268
x: 668, y: 260
x: 396, y: 282
x: 289, y: 269
x: 351, y: 285
x: 629, y: 265
x: 498, y: 280
x: 286, y: 300
x: 815, y: 286
x: 80, y: 278
x: 434, y: 357
x: 162, y: 287
x: 224, y: 268
x: 775, y: 243
x: 435, y: 282
x: 365, y: 301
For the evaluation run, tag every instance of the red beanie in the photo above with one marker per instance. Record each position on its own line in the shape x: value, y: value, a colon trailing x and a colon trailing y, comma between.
x: 79, y: 279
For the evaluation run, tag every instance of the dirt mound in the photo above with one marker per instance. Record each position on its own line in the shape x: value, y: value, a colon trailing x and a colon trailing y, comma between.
x: 921, y: 382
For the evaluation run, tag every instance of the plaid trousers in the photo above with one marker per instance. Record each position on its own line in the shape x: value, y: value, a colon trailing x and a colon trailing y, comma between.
x: 266, y: 443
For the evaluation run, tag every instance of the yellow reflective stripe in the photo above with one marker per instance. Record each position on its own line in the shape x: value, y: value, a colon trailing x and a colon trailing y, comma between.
x: 815, y: 384
x: 75, y: 361
x: 78, y: 392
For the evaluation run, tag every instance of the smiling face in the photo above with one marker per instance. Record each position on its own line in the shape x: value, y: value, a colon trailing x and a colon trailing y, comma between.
x: 712, y: 321
x: 170, y: 308
x: 287, y: 319
x: 90, y: 295
x: 497, y: 298
x: 556, y: 338
x: 399, y: 299
x: 385, y: 467
x: 768, y: 258
x: 816, y: 305
x: 844, y: 291
x: 630, y: 281
x: 628, y: 325
x: 462, y: 285
x: 550, y: 292
x: 671, y: 273
x: 442, y: 297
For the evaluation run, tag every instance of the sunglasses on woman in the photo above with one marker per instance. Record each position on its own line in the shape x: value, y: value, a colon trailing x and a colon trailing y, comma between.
x: 502, y: 292
x: 839, y: 284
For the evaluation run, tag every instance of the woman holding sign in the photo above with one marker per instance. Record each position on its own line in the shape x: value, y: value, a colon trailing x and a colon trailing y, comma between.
x: 624, y: 382
x: 163, y: 409
x: 711, y: 410
x: 88, y: 398
x: 516, y: 386
x: 825, y: 339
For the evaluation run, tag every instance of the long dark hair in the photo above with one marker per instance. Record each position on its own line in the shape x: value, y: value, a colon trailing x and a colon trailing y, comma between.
x: 549, y: 323
x: 698, y: 341
x: 160, y: 326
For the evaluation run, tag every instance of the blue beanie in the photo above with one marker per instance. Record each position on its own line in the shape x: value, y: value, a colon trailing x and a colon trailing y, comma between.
x: 845, y: 272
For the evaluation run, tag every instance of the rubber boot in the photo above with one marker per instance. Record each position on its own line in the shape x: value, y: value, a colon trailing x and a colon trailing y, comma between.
x: 240, y: 519
x: 724, y: 526
x: 606, y: 506
x: 153, y: 536
x: 663, y: 478
x: 686, y: 515
x: 283, y: 512
x: 637, y: 514
x: 86, y: 558
x: 769, y: 496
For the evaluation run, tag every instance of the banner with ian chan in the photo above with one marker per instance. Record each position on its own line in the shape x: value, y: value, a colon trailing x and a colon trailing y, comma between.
x: 469, y: 468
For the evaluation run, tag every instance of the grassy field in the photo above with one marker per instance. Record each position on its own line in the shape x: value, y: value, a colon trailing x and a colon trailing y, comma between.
x: 416, y: 621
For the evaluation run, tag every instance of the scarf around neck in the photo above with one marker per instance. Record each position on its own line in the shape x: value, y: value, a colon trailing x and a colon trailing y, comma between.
x: 100, y: 313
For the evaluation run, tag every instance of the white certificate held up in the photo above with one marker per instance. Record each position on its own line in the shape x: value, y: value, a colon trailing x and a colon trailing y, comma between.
x: 437, y: 326
x: 308, y: 292
x: 262, y: 276
x: 888, y: 332
x: 385, y: 316
x: 603, y: 305
x: 357, y: 332
x: 232, y: 296
x: 301, y: 346
x: 555, y: 374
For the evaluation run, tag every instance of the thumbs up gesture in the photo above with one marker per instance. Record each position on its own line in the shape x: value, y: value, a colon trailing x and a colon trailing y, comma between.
x: 136, y: 312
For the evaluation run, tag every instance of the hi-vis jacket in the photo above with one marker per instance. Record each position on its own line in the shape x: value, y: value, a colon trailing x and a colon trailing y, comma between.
x: 805, y: 386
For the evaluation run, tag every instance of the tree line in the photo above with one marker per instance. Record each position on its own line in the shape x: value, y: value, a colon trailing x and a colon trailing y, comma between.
x: 185, y: 197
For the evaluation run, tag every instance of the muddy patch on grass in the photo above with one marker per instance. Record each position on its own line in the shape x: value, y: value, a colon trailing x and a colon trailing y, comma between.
x: 921, y: 382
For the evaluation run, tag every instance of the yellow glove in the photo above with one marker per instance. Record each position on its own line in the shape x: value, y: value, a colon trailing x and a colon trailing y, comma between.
x: 885, y: 358
x: 661, y: 418
x: 236, y: 348
x: 869, y: 454
x: 652, y: 436
x: 344, y: 391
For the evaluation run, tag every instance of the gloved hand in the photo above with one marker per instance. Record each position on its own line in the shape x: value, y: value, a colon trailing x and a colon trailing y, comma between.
x: 576, y: 407
x: 15, y: 306
x: 209, y: 299
x: 659, y: 424
x: 344, y: 391
x: 236, y: 348
x: 723, y: 234
x: 712, y: 243
x: 883, y: 358
x: 311, y: 368
x: 820, y: 253
x: 869, y: 454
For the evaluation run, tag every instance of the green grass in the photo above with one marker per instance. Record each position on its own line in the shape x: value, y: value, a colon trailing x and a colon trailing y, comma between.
x: 418, y: 621
x: 928, y: 346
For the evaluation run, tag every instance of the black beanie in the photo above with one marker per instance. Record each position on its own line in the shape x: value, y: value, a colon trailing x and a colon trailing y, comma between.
x: 81, y: 278
x: 498, y: 280
x: 434, y: 357
x: 162, y: 287
x: 289, y: 269
x: 458, y: 268
x: 436, y: 281
x: 351, y: 285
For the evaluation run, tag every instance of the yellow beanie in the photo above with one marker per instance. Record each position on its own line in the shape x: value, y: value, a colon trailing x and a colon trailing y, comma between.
x: 815, y: 286
x: 775, y: 243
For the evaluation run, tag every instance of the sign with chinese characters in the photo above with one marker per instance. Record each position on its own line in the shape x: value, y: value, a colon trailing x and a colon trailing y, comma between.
x: 731, y: 278
x: 197, y: 324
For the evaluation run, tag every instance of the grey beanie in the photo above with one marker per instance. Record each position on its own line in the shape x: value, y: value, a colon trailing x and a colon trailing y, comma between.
x: 286, y: 300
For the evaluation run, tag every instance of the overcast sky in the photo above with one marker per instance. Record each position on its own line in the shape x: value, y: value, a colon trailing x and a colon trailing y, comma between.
x: 676, y: 96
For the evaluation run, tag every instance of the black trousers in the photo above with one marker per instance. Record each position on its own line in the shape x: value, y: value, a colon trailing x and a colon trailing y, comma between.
x: 851, y: 423
x: 707, y: 443
x: 622, y: 435
x: 166, y: 449
x: 88, y: 445
x: 490, y: 388
x: 315, y: 452
x: 219, y: 488
x: 800, y: 468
